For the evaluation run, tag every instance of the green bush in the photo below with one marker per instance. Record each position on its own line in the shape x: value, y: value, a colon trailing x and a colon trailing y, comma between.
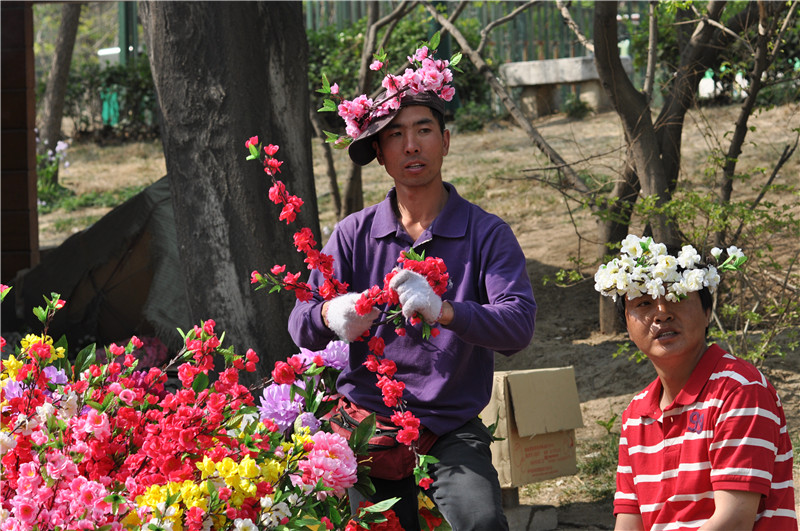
x: 576, y: 108
x: 117, y: 101
x: 472, y: 116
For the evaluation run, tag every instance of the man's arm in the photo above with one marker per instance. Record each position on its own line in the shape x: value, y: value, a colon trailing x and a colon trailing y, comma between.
x: 734, y: 509
x: 629, y: 522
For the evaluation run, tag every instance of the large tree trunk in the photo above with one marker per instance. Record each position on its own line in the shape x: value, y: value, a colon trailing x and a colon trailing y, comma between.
x: 224, y: 72
x: 634, y: 111
x: 56, y: 87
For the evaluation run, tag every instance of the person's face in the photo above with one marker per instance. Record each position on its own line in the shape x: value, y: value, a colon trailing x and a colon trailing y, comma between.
x: 412, y: 147
x: 666, y: 331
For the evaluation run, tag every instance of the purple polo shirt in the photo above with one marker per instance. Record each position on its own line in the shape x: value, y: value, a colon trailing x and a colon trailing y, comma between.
x: 448, y: 378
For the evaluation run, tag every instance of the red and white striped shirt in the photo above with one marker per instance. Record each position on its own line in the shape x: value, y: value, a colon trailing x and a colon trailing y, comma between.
x: 725, y: 431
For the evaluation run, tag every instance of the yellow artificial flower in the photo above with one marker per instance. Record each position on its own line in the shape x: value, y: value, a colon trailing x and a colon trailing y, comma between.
x: 272, y: 470
x: 248, y: 468
x: 207, y: 467
x: 227, y: 468
x: 10, y: 368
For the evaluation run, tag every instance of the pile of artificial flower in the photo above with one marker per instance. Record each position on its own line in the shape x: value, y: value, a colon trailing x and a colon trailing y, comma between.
x: 88, y: 445
x: 645, y: 268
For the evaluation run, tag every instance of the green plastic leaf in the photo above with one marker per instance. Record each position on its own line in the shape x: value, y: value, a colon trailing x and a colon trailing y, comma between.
x: 85, y: 358
x: 434, y: 44
x: 381, y: 506
x: 456, y: 59
x: 40, y: 313
x: 200, y: 382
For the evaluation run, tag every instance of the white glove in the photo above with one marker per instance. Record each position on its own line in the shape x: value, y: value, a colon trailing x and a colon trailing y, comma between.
x: 416, y: 295
x: 344, y: 320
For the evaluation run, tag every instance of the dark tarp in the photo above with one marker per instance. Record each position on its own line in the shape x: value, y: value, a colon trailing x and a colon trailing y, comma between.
x: 120, y: 277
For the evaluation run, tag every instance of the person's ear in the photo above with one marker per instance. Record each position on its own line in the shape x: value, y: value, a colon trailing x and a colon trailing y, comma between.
x: 445, y: 142
x: 378, y: 155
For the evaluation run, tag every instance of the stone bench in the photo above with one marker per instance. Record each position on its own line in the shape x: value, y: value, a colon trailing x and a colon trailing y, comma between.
x: 540, y: 79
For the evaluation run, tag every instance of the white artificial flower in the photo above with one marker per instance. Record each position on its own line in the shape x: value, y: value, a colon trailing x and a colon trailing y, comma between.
x: 716, y: 252
x: 631, y: 247
x: 45, y: 411
x: 244, y: 524
x: 711, y: 280
x: 688, y: 257
x: 693, y: 279
x: 7, y: 442
x: 658, y: 249
x: 655, y: 288
x: 734, y: 252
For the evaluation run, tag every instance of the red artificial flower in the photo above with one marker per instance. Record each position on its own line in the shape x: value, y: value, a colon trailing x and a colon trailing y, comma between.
x: 387, y: 367
x: 283, y: 373
x: 271, y: 149
x: 304, y: 240
x: 434, y: 332
x: 371, y: 363
x: 277, y: 192
x: 376, y: 345
x: 425, y: 483
x: 255, y: 277
x: 252, y: 141
x: 277, y: 269
x: 364, y: 305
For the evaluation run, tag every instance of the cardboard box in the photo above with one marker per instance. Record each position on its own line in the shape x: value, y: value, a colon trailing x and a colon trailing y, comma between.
x: 537, y: 412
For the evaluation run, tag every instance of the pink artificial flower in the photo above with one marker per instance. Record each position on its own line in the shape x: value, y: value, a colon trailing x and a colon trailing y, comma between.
x: 60, y: 304
x: 375, y: 66
x: 334, y: 90
x: 271, y: 149
x: 252, y: 141
x: 332, y: 461
x: 255, y: 277
x: 277, y: 269
x: 137, y: 343
x: 116, y: 350
x: 127, y: 396
x: 98, y: 425
x: 277, y: 192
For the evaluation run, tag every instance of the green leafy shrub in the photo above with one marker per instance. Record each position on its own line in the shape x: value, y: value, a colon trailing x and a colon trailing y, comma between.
x: 472, y: 116
x: 576, y: 108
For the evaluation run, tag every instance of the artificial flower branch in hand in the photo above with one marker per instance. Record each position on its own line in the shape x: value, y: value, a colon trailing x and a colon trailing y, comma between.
x: 429, y: 74
x: 430, y: 270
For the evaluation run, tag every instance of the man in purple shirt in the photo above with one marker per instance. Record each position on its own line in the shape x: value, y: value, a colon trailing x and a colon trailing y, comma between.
x: 488, y: 306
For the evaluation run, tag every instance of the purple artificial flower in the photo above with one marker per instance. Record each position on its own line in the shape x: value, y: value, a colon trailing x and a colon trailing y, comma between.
x: 307, y: 420
x: 278, y: 405
x: 334, y: 355
x: 56, y: 376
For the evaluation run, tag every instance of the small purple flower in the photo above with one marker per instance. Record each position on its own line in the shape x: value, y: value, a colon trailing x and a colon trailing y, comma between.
x: 278, y: 405
x: 307, y: 420
x: 335, y: 355
x: 13, y: 389
x: 56, y: 376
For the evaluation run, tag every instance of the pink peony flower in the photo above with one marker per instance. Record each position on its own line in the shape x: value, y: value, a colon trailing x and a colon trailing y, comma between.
x: 332, y: 461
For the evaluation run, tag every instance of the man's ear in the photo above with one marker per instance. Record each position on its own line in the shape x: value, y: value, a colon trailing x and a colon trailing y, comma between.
x: 378, y: 154
x: 445, y: 142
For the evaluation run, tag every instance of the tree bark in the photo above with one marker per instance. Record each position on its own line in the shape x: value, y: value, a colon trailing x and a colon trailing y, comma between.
x: 56, y: 87
x: 634, y: 111
x: 224, y: 72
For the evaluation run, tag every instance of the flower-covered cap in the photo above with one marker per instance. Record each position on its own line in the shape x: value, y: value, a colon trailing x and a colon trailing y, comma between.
x: 428, y: 84
x: 645, y: 268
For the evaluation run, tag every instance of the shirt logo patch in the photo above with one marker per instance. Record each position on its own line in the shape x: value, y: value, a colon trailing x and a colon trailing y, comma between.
x: 695, y: 422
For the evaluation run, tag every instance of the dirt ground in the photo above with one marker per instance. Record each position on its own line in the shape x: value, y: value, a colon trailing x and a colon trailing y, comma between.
x: 497, y: 168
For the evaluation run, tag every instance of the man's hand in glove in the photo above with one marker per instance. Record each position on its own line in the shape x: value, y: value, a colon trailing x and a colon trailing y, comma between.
x: 416, y: 296
x: 340, y: 316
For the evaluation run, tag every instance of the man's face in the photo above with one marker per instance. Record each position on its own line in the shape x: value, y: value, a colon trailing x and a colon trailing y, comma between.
x: 412, y: 147
x: 668, y: 332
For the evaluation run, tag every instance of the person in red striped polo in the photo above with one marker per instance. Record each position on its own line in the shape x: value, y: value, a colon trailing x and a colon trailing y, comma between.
x: 705, y: 445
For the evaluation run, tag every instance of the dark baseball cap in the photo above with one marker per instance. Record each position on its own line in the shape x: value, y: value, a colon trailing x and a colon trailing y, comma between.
x: 361, y: 150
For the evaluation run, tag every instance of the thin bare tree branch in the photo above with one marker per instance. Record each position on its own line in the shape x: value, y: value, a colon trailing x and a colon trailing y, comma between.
x: 500, y: 21
x: 571, y: 24
x: 776, y: 46
x: 788, y: 151
x: 652, y: 43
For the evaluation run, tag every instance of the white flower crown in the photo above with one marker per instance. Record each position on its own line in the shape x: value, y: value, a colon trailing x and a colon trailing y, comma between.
x: 644, y: 267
